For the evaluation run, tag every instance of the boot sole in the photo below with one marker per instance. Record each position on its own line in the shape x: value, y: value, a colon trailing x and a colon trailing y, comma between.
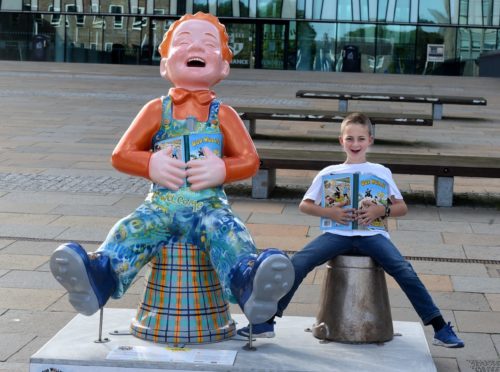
x: 70, y: 271
x: 273, y: 279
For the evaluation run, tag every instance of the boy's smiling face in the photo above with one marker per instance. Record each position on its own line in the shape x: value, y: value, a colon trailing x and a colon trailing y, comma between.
x: 194, y: 60
x: 355, y: 140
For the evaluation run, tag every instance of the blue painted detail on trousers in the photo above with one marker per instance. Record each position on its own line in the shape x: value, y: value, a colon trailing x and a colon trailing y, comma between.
x: 328, y: 246
x: 136, y: 239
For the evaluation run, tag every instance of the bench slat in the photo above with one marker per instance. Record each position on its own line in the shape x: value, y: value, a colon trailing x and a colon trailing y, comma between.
x: 421, y: 164
x: 424, y: 98
x: 293, y: 114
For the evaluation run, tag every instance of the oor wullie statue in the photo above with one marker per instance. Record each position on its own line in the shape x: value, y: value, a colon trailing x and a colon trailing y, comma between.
x: 195, y: 57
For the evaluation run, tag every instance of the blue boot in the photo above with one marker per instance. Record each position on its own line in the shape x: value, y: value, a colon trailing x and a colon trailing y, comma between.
x: 259, y: 282
x: 88, y: 278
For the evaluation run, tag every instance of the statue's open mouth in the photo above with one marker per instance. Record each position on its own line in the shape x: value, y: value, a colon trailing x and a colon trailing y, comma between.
x: 196, y: 62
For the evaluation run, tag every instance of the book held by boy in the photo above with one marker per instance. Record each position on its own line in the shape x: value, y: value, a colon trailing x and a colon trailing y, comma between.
x: 358, y: 191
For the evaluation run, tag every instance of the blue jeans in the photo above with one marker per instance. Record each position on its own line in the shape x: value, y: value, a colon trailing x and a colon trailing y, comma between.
x: 328, y: 246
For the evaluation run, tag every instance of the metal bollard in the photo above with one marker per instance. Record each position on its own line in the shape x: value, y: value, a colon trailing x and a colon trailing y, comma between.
x: 355, y: 304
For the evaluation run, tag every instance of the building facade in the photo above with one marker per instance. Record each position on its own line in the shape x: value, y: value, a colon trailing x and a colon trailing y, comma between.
x: 443, y: 37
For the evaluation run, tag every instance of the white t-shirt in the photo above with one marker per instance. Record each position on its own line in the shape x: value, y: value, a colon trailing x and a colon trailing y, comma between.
x: 314, y: 192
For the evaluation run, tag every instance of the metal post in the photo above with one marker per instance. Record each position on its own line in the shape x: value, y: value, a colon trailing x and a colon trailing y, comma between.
x: 249, y: 346
x: 100, y: 340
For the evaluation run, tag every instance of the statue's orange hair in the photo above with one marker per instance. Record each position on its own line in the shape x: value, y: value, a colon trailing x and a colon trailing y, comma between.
x: 224, y: 38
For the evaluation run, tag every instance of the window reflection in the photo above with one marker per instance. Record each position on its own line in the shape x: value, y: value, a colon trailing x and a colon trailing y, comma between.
x: 362, y: 37
x: 395, y: 49
x: 316, y: 46
x: 434, y: 11
x: 437, y: 35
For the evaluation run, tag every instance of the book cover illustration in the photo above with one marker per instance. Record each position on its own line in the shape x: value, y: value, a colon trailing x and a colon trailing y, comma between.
x: 359, y: 191
x: 190, y: 146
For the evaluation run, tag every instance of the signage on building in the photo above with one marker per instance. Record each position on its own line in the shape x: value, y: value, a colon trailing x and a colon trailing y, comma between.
x: 435, y: 52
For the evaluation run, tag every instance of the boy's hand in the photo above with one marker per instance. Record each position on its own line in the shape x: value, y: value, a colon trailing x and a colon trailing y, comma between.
x: 367, y: 215
x: 341, y: 215
x: 166, y: 170
x: 207, y: 172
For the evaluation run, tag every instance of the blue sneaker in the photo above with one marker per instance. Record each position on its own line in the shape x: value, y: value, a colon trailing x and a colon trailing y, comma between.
x: 446, y: 337
x: 258, y: 283
x: 88, y: 278
x: 261, y: 330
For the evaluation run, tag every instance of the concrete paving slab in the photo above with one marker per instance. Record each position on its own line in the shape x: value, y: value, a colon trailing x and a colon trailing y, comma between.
x: 469, y: 214
x: 278, y: 219
x: 30, y: 247
x: 471, y: 239
x: 446, y: 365
x: 432, y: 237
x: 493, y: 300
x: 482, y: 252
x: 479, y: 285
x: 10, y: 343
x: 486, y: 228
x: 84, y: 233
x: 27, y: 298
x: 478, y: 321
x: 21, y: 262
x: 450, y: 268
x: 47, y: 324
x: 417, y: 249
x: 447, y: 226
x: 31, y: 231
x: 287, y: 351
x: 35, y: 279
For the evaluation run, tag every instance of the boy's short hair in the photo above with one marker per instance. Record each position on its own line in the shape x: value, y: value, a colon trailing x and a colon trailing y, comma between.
x: 227, y: 54
x: 357, y: 118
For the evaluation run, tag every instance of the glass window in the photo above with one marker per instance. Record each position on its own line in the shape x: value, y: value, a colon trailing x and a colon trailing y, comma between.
x: 241, y: 40
x: 471, y: 42
x: 402, y: 11
x: 464, y: 11
x: 395, y: 51
x: 344, y: 12
x: 329, y: 9
x: 118, y: 20
x: 355, y: 47
x: 437, y: 35
x: 163, y: 5
x: 269, y: 8
x: 316, y: 46
x: 224, y: 8
x: 475, y: 16
x: 434, y: 11
x: 382, y: 10
x: 200, y: 6
x: 301, y: 9
x: 244, y: 10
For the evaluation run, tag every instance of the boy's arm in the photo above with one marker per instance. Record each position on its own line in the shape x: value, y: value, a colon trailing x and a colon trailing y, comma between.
x: 397, y: 208
x: 132, y: 153
x: 240, y: 156
x: 337, y: 213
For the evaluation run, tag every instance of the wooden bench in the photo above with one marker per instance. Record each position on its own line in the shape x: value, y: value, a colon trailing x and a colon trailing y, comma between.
x: 436, y: 101
x: 250, y: 115
x: 442, y: 167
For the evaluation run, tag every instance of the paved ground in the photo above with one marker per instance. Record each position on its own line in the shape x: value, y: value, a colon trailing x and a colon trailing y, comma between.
x: 60, y: 122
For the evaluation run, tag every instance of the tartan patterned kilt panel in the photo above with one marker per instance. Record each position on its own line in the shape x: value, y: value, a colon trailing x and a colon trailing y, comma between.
x: 183, y: 300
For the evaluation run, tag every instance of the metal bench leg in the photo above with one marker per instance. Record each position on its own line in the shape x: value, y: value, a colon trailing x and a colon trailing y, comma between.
x: 263, y: 183
x: 343, y: 105
x: 250, y: 125
x: 443, y: 190
x: 437, y: 111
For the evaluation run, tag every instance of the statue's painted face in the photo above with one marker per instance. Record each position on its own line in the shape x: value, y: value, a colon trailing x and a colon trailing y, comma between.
x: 194, y: 60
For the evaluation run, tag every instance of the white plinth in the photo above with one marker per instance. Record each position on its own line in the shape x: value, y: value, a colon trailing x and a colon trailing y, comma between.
x: 73, y: 349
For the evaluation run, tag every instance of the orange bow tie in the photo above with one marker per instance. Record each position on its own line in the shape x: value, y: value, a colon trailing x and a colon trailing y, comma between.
x: 180, y: 95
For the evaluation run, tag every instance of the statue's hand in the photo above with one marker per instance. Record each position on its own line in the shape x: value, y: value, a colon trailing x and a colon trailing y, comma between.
x: 166, y: 170
x: 207, y: 172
